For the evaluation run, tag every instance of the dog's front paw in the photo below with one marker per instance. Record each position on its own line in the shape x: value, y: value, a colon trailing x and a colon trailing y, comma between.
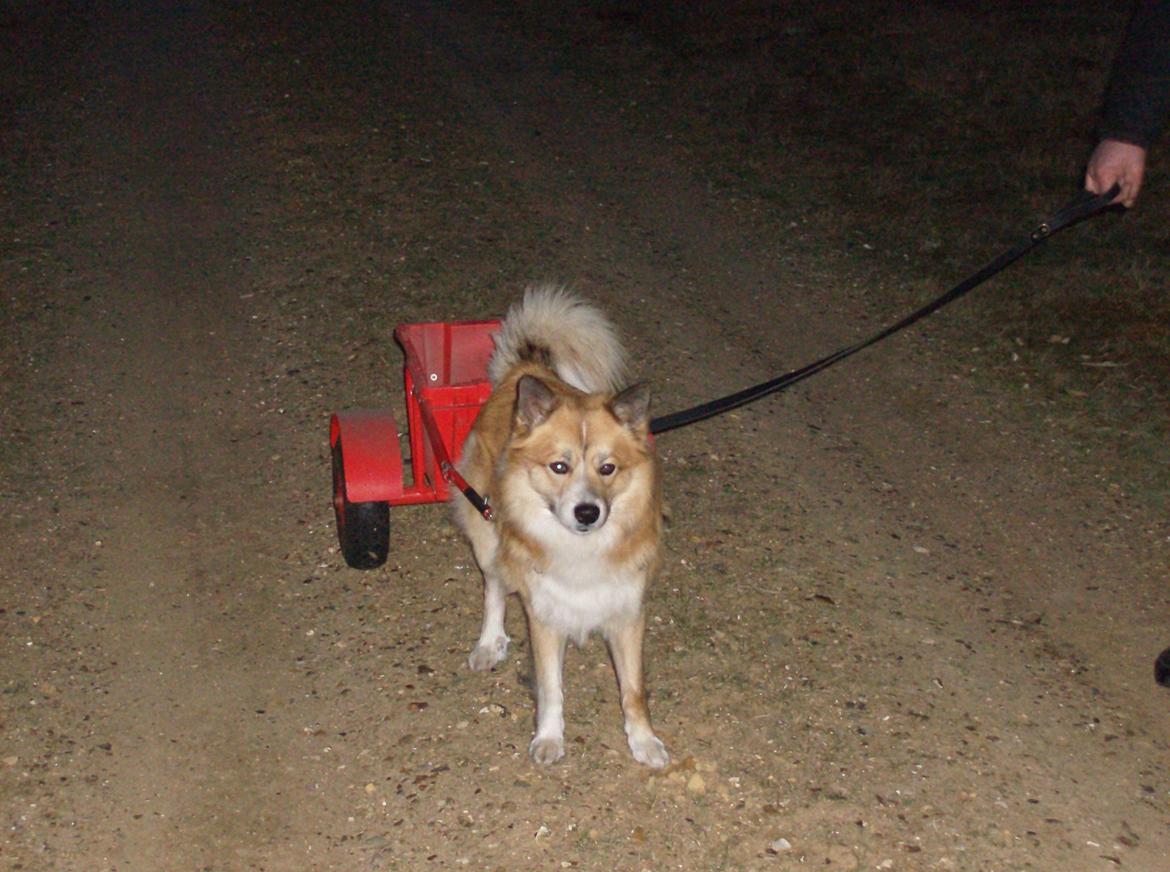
x: 486, y: 655
x: 547, y: 749
x: 649, y: 751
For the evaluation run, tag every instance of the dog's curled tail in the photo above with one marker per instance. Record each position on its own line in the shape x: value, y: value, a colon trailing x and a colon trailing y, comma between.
x: 571, y: 337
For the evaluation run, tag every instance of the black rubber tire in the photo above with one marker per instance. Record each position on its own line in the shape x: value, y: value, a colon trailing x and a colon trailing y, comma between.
x: 363, y: 529
x: 1162, y: 668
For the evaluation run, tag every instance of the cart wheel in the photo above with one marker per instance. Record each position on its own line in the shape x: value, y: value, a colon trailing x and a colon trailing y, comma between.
x: 362, y: 528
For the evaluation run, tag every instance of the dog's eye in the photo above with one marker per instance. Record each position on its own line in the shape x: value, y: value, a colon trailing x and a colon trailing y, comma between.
x: 606, y: 469
x: 559, y: 467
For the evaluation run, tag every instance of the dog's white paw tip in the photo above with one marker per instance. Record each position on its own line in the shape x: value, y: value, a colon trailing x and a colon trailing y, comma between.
x: 547, y: 750
x: 650, y: 752
x: 485, y: 657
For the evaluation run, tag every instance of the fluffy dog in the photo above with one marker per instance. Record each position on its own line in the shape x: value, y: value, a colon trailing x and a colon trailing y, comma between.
x: 566, y: 460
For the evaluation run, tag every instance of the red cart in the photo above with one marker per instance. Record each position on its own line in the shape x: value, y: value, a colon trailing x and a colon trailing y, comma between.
x: 446, y: 384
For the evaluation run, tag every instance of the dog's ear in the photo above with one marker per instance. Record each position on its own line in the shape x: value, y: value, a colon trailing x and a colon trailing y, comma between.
x: 535, y: 401
x: 632, y: 407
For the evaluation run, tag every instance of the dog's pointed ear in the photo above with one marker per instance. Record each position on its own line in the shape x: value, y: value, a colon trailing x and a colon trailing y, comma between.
x: 632, y: 407
x: 535, y: 401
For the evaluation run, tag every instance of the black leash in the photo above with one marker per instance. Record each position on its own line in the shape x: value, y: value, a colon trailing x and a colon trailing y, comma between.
x: 1080, y: 207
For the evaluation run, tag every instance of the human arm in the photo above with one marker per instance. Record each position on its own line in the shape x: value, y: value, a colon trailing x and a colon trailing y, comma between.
x: 1137, y: 103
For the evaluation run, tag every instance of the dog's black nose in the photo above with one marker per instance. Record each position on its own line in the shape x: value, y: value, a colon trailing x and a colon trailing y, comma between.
x: 586, y: 513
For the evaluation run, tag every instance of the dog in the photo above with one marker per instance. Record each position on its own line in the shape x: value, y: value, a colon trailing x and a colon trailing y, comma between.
x: 563, y: 454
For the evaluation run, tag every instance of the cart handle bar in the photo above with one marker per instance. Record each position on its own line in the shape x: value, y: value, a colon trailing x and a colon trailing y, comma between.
x: 447, y: 468
x: 453, y: 478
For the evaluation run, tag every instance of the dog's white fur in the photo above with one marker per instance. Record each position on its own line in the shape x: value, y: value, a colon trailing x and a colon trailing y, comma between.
x: 568, y: 465
x: 588, y: 354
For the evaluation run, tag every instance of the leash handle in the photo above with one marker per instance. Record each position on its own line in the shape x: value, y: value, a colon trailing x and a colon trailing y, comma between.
x: 1082, y: 206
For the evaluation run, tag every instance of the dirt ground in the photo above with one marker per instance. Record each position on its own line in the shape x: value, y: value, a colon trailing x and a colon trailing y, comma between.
x: 910, y: 608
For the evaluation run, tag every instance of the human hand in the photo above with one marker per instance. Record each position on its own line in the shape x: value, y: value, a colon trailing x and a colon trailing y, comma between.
x: 1115, y: 162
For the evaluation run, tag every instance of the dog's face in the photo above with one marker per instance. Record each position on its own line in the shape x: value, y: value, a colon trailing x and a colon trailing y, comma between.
x: 582, y: 456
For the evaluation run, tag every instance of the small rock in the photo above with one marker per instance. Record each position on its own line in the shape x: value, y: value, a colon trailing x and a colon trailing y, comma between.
x: 1003, y: 837
x: 779, y: 846
x: 840, y: 857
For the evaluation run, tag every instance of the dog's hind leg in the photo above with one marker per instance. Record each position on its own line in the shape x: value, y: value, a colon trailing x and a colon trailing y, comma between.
x: 492, y: 646
x: 548, y: 653
x: 625, y: 646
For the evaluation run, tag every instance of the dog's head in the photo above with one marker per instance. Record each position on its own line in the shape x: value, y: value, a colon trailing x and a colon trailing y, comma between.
x: 582, y: 454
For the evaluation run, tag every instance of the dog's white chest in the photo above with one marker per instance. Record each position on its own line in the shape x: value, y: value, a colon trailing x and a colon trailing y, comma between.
x: 579, y: 597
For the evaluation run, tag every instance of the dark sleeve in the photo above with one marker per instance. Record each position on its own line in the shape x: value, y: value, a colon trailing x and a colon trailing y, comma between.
x: 1137, y: 101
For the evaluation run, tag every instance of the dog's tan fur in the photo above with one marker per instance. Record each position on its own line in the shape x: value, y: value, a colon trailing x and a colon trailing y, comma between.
x: 572, y: 476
